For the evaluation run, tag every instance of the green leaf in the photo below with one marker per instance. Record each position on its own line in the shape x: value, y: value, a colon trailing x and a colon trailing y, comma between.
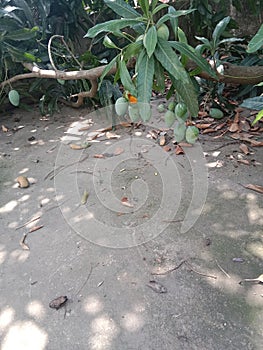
x: 144, y: 6
x: 22, y: 34
x: 174, y: 21
x: 122, y: 8
x: 255, y: 103
x: 179, y: 131
x: 145, y: 77
x: 132, y: 50
x: 256, y: 42
x: 190, y: 52
x: 230, y: 40
x: 205, y: 41
x: 170, y: 16
x: 170, y: 61
x: 107, y: 42
x: 23, y: 5
x: 258, y: 117
x: 159, y: 75
x: 219, y: 29
x: 14, y: 97
x: 159, y: 8
x: 108, y: 68
x: 150, y: 40
x: 181, y: 36
x: 111, y: 26
x: 126, y: 78
x: 188, y: 94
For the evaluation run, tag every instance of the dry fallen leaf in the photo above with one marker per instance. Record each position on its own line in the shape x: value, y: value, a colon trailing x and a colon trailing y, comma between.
x: 208, y: 131
x: 179, y: 150
x: 256, y: 188
x: 112, y: 135
x: 244, y: 161
x: 125, y: 201
x: 84, y: 197
x: 234, y: 127
x: 4, y: 128
x: 75, y: 146
x: 203, y: 126
x: 243, y: 147
x: 157, y: 287
x: 118, y: 151
x: 58, y: 302
x: 100, y: 156
x: 166, y: 148
x: 162, y: 140
x: 23, y: 181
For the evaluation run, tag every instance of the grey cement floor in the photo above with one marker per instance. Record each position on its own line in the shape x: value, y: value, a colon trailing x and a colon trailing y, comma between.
x: 102, y: 254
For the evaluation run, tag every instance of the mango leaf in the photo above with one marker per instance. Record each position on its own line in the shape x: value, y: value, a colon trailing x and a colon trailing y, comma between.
x: 255, y: 103
x: 159, y: 8
x: 108, y: 68
x: 174, y: 21
x: 188, y: 94
x: 170, y: 16
x: 150, y: 40
x: 14, y: 97
x: 107, y: 42
x: 159, y: 76
x: 144, y: 6
x: 111, y: 26
x: 145, y: 77
x: 190, y: 52
x: 256, y: 42
x: 170, y: 61
x: 219, y: 29
x: 122, y: 8
x: 126, y: 78
x: 132, y: 50
x: 22, y: 34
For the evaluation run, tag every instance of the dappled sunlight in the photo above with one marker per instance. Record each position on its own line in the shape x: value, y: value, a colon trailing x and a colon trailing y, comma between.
x: 104, y: 331
x: 25, y: 335
x: 35, y: 309
x: 6, y: 317
x: 228, y: 282
x: 24, y: 198
x: 254, y: 211
x: 92, y: 304
x: 3, y: 255
x: 228, y: 194
x: 254, y: 296
x: 19, y: 255
x: 8, y: 207
x: 132, y: 322
x: 256, y: 248
x: 23, y: 171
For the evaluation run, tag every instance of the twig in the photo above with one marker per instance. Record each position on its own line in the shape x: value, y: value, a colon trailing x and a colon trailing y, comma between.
x: 86, y: 281
x: 22, y: 242
x: 35, y: 228
x: 221, y: 268
x: 197, y: 272
x: 172, y: 221
x: 170, y: 270
x: 226, y: 144
x: 28, y: 222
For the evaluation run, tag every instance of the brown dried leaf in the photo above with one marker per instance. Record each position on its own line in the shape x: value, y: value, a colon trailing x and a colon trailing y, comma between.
x: 243, y: 147
x: 75, y: 146
x: 162, y: 140
x: 185, y: 144
x: 58, y: 302
x: 4, y: 128
x: 100, y: 156
x: 126, y: 203
x: 244, y: 161
x: 179, y: 150
x: 237, y: 117
x: 157, y: 287
x: 23, y: 181
x: 118, y: 151
x: 167, y: 148
x: 256, y: 188
x: 112, y: 135
x: 220, y: 126
x: 234, y: 127
x: 203, y: 126
x: 208, y: 131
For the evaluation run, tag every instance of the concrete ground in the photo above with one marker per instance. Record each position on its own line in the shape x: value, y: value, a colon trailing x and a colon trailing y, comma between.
x: 123, y: 221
